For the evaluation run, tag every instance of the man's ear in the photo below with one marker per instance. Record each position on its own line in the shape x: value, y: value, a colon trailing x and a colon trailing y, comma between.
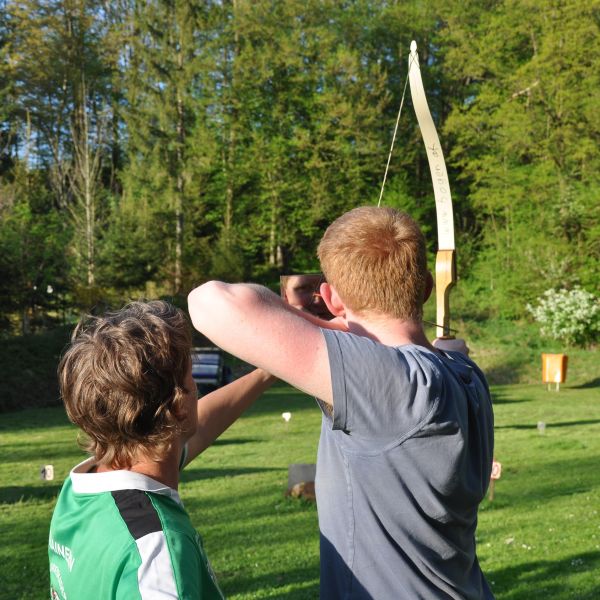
x: 332, y: 300
x: 428, y: 286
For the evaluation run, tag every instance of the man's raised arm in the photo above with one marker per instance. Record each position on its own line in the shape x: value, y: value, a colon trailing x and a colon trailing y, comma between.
x: 255, y: 325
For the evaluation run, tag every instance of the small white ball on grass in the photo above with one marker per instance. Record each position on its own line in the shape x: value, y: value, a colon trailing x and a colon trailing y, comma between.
x: 286, y: 416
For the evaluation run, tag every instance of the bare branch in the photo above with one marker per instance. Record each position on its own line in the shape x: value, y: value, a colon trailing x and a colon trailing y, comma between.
x: 526, y: 90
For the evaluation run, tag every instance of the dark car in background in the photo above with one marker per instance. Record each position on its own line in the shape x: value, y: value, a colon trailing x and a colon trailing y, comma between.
x: 209, y: 369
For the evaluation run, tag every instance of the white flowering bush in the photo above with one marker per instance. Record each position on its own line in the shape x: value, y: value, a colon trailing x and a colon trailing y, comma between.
x: 571, y: 316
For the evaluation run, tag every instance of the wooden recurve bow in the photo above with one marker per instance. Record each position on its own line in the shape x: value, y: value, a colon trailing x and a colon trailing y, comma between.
x: 445, y: 262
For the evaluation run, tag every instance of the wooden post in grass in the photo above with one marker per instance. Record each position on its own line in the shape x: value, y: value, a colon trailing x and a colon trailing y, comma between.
x: 496, y: 472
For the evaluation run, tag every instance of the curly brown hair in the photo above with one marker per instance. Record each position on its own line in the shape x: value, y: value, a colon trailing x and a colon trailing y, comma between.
x: 376, y: 260
x: 122, y: 380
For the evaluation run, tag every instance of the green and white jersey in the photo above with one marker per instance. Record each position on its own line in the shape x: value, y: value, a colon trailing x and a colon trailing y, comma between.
x: 122, y: 535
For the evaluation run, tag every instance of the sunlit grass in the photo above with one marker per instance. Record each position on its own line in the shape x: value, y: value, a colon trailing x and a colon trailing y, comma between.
x: 539, y: 538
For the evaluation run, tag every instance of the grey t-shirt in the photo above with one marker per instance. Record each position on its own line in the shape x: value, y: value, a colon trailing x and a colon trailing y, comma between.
x: 402, y: 466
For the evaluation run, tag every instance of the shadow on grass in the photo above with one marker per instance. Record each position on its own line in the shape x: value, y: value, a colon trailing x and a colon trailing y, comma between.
x: 505, y: 373
x: 191, y: 474
x: 546, y: 578
x: 24, y: 553
x: 503, y: 397
x: 550, y: 425
x: 13, y: 494
x: 234, y: 441
x: 30, y: 419
x: 283, y: 398
x: 42, y: 452
x: 238, y: 583
x: 594, y: 383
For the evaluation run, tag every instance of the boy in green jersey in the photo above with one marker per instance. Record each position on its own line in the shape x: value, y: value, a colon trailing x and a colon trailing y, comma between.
x: 119, y: 529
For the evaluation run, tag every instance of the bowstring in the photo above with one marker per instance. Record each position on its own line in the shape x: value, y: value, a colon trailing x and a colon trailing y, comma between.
x: 387, y: 166
x: 436, y: 325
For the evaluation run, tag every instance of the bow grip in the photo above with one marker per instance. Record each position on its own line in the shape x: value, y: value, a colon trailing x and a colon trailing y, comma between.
x: 445, y: 278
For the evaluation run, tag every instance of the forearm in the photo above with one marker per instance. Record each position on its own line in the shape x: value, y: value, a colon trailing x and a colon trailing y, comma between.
x: 218, y: 410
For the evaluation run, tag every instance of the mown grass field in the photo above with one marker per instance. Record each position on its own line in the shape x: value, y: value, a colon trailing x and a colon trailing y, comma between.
x: 539, y: 538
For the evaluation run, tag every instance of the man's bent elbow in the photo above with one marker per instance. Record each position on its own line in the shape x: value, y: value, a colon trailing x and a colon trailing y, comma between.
x: 201, y: 299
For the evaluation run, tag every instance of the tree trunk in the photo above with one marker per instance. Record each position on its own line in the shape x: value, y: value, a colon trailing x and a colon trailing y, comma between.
x: 179, y: 181
x: 230, y: 165
x: 25, y: 324
x: 275, y: 252
x: 88, y: 195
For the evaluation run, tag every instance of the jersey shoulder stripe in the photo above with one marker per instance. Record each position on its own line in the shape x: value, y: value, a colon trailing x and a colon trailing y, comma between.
x: 138, y: 512
x: 155, y: 575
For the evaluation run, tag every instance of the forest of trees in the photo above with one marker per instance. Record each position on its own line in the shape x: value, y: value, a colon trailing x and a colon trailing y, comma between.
x: 147, y: 146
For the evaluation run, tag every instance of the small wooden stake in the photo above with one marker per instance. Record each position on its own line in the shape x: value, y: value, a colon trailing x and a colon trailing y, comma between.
x: 495, y: 474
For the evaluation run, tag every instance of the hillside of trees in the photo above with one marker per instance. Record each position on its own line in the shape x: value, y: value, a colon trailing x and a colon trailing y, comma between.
x: 148, y: 146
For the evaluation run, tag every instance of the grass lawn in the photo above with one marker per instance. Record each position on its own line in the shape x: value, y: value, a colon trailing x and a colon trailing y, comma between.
x: 539, y: 538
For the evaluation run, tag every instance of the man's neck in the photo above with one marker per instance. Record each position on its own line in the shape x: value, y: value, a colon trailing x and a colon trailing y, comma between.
x: 387, y: 330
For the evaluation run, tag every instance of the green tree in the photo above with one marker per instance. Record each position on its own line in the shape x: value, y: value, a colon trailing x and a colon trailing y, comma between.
x: 309, y: 108
x: 128, y: 256
x: 161, y: 117
x: 33, y: 264
x: 62, y: 92
x: 525, y: 139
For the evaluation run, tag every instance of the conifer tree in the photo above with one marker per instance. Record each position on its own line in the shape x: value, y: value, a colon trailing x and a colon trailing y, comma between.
x: 161, y: 116
x: 308, y: 107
